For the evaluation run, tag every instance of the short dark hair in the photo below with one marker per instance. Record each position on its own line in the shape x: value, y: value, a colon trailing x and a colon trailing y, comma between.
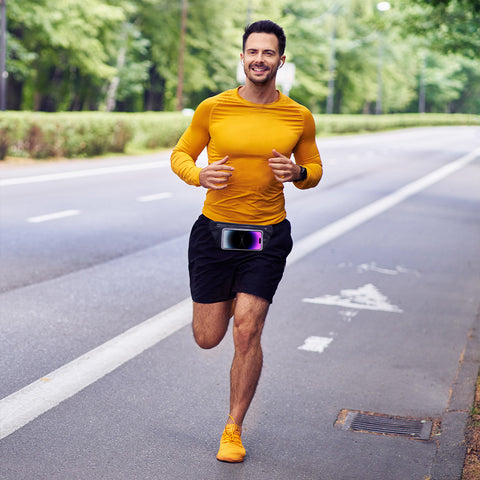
x: 266, y: 26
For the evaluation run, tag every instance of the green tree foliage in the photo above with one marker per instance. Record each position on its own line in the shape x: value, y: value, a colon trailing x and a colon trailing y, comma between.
x: 123, y: 55
x: 467, y: 4
x: 62, y: 45
x: 450, y: 26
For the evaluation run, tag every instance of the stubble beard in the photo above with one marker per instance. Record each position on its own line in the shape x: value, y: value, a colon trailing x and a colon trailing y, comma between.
x: 271, y: 74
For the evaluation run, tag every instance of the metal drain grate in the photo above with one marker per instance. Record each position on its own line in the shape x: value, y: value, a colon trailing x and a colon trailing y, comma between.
x: 385, y: 425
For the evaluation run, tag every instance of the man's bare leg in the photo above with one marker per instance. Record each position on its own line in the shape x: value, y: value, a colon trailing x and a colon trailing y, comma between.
x: 249, y: 318
x: 210, y: 322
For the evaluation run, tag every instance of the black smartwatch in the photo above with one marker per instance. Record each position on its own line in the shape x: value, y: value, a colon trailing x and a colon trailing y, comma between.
x: 303, y: 174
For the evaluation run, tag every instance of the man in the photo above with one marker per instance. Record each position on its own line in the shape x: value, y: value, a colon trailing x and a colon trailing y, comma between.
x: 250, y: 133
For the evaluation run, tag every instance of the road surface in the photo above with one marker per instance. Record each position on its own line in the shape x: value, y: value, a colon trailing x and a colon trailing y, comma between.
x: 378, y: 312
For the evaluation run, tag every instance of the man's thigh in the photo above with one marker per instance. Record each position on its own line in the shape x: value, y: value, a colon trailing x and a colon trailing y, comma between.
x: 210, y: 322
x: 250, y: 308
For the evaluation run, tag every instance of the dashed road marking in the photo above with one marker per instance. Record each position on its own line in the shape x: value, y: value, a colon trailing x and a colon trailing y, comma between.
x: 154, y: 196
x: 316, y: 344
x: 53, y: 216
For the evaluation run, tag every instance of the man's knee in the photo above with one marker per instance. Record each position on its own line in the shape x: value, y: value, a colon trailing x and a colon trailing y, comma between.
x: 206, y: 340
x: 248, y: 322
x: 247, y: 332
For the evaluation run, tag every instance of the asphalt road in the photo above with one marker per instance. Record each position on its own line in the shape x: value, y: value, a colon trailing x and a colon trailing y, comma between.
x: 378, y: 312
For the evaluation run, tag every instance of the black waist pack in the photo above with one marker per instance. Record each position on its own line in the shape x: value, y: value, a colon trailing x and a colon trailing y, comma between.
x: 238, y: 236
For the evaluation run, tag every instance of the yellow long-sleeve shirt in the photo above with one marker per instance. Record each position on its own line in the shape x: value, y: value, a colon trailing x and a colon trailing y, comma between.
x: 248, y: 132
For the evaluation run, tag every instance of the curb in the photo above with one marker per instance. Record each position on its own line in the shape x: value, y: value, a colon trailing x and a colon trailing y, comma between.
x: 451, y: 448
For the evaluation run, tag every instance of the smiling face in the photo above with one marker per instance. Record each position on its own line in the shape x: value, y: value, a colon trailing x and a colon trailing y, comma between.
x: 261, y: 58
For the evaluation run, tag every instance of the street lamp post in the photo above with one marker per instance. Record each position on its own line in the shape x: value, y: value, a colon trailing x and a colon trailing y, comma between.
x: 249, y: 13
x: 378, y: 104
x: 3, y: 54
x: 422, y: 93
x: 331, y: 69
x: 181, y: 54
x: 381, y: 7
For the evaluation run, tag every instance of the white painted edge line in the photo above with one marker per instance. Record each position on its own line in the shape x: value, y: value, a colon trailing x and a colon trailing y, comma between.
x: 53, y: 216
x: 321, y: 237
x: 92, y: 172
x: 154, y: 196
x: 26, y: 404
x: 22, y: 407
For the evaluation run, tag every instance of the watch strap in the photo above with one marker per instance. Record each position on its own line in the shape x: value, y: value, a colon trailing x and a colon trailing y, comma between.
x: 303, y: 174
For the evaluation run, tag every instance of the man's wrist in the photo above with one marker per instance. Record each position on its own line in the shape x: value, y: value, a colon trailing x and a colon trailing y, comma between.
x: 302, y: 174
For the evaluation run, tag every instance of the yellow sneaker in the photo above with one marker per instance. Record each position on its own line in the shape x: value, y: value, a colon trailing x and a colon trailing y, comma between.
x: 231, y: 448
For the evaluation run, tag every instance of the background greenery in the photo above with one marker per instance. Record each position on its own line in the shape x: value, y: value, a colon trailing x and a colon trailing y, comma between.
x: 85, y: 134
x: 123, y: 55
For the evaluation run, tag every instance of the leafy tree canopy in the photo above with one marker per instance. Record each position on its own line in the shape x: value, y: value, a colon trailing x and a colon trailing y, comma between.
x: 124, y: 54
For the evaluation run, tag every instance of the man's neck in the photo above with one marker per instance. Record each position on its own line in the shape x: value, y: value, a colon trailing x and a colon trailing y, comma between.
x: 262, y: 94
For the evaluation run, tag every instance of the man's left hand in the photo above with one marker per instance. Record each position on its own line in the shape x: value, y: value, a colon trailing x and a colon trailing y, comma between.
x: 283, y: 168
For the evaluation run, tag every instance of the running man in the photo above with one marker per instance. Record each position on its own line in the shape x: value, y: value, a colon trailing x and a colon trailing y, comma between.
x: 239, y: 245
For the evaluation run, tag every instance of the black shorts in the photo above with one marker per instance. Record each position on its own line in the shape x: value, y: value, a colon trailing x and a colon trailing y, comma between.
x: 217, y: 275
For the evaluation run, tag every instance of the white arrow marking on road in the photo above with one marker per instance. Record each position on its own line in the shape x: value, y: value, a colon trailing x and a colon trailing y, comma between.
x: 23, y: 406
x: 154, y: 196
x: 316, y: 344
x: 367, y: 297
x: 53, y: 216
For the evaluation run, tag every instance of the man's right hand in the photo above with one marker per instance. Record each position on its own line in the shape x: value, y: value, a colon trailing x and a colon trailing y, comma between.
x: 216, y: 175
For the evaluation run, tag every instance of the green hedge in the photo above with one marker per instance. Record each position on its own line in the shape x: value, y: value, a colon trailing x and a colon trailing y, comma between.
x: 44, y: 135
x: 87, y: 134
x: 342, y: 124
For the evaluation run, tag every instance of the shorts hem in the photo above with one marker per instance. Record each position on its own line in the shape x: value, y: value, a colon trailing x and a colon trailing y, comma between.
x: 207, y: 302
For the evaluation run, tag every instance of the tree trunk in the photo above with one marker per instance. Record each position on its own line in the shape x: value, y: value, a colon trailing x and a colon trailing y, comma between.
x: 181, y: 54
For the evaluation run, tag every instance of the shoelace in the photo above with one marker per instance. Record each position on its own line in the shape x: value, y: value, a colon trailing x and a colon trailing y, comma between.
x: 232, y: 436
x: 232, y: 433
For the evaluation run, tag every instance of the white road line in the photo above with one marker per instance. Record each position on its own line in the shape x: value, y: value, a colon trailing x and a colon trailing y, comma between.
x: 92, y: 172
x: 25, y: 405
x: 53, y: 216
x: 154, y: 196
x: 40, y: 396
x: 349, y: 222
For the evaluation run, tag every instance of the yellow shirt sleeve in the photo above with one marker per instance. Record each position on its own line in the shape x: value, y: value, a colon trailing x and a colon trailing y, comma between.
x: 306, y: 154
x: 191, y: 144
